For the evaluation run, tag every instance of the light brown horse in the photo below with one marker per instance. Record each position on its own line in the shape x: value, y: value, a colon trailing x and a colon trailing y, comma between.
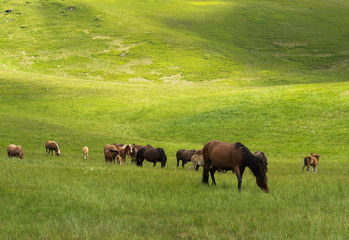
x: 311, y: 161
x: 15, y: 151
x: 197, y: 160
x: 236, y: 157
x: 123, y: 151
x: 53, y: 146
x: 85, y: 152
x: 110, y: 153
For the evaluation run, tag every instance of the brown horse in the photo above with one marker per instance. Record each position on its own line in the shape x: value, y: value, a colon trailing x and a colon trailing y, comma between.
x: 110, y: 153
x: 312, y: 161
x: 53, y: 146
x: 198, y: 160
x: 236, y: 157
x: 262, y: 160
x: 151, y: 155
x: 123, y: 151
x: 184, y: 155
x: 15, y: 151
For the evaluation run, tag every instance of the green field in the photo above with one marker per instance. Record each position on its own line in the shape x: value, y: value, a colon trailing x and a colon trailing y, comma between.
x: 174, y: 74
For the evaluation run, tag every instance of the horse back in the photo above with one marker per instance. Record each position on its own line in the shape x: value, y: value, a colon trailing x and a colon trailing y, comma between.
x: 225, y: 156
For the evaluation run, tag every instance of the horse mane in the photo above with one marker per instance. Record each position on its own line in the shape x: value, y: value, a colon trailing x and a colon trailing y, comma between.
x: 57, y: 146
x: 163, y: 157
x: 251, y: 161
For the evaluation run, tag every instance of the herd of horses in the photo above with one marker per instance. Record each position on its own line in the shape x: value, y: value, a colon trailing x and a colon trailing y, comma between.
x: 214, y: 156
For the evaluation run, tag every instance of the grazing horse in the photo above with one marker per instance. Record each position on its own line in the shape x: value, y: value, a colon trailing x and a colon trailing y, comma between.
x: 311, y: 160
x: 123, y: 151
x: 85, y: 152
x: 236, y: 157
x: 198, y: 160
x: 134, y: 149
x: 151, y: 155
x: 53, y: 146
x: 184, y: 155
x: 262, y: 160
x: 110, y: 153
x: 15, y: 151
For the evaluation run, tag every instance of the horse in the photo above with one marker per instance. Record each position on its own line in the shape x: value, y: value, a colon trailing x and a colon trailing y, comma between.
x: 123, y: 151
x: 53, y: 146
x: 262, y: 160
x: 85, y: 152
x: 15, y: 151
x: 312, y: 161
x: 110, y: 153
x: 151, y: 155
x: 236, y: 157
x: 134, y: 149
x: 198, y: 160
x: 184, y: 155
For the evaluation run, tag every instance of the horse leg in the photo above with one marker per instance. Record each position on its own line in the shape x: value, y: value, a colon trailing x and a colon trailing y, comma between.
x: 239, y: 176
x: 212, y: 171
x: 183, y: 162
x: 154, y: 164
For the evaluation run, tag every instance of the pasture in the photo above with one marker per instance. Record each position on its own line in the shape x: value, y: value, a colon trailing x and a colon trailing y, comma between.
x: 173, y: 74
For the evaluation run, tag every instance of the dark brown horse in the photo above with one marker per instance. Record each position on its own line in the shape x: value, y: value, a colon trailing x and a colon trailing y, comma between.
x: 262, y: 160
x: 151, y: 155
x: 184, y: 155
x: 236, y: 157
x: 311, y: 161
x: 52, y: 146
x: 134, y: 150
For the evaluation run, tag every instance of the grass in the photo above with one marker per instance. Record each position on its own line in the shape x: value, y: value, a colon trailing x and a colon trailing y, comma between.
x: 60, y: 199
x: 173, y: 74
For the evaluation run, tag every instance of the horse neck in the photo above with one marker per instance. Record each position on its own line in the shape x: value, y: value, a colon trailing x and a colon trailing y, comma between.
x: 56, y: 146
x: 252, y: 163
x: 126, y: 148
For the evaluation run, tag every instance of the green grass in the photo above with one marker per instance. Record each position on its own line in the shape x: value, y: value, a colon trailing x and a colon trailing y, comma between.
x: 173, y: 74
x: 241, y: 42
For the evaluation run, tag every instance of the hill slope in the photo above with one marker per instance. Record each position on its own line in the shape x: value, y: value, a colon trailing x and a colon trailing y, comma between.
x: 242, y: 42
x: 173, y: 74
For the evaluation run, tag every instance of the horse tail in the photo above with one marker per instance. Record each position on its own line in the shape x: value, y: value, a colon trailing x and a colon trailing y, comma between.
x: 207, y: 164
x: 205, y: 176
x: 139, y: 157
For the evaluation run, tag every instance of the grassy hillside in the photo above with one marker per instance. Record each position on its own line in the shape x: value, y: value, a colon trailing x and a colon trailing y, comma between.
x: 241, y: 42
x: 173, y: 74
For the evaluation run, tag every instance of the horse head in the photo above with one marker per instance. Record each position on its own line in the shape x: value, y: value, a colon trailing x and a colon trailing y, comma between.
x: 163, y: 158
x: 262, y: 182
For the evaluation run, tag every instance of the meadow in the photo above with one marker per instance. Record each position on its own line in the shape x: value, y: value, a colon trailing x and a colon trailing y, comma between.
x: 173, y: 74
